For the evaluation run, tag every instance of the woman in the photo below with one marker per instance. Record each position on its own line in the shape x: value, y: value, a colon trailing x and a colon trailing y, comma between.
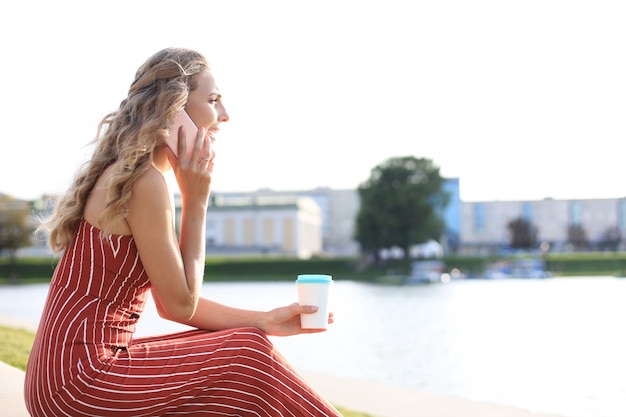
x: 115, y: 229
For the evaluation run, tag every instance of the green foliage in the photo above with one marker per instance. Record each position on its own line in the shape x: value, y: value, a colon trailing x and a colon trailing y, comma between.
x: 273, y: 268
x: 400, y: 205
x: 577, y: 236
x: 611, y: 238
x: 523, y: 234
x: 217, y: 269
x: 35, y: 270
x: 28, y: 268
x: 560, y: 264
x: 587, y: 263
x: 15, y: 227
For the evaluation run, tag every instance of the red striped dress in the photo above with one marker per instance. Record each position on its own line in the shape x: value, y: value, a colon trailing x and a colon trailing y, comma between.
x: 85, y: 362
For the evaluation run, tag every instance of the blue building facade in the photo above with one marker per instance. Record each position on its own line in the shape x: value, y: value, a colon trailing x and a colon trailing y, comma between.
x: 452, y: 215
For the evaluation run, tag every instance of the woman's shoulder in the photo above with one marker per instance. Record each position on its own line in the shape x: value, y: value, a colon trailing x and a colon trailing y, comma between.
x: 151, y: 184
x: 150, y: 208
x: 151, y: 179
x: 150, y: 192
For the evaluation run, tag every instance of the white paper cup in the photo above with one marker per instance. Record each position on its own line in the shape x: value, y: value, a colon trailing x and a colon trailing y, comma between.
x: 314, y: 290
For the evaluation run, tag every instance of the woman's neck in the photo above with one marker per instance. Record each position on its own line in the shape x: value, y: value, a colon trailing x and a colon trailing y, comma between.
x: 161, y: 161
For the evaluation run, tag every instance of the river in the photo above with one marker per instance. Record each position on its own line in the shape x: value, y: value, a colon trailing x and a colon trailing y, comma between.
x: 551, y: 345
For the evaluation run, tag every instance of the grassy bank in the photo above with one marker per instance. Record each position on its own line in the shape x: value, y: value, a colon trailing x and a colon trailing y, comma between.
x: 34, y: 270
x: 15, y: 345
x: 31, y: 270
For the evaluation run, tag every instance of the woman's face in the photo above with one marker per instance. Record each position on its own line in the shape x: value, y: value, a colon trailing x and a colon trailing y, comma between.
x: 204, y: 104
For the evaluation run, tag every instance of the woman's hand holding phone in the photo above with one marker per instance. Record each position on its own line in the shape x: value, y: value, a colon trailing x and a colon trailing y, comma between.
x: 193, y: 172
x: 190, y: 132
x: 190, y: 136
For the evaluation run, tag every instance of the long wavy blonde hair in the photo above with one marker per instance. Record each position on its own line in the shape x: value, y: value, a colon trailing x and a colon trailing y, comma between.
x: 129, y: 137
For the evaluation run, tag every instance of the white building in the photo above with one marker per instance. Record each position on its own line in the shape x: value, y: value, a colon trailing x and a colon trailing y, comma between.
x: 484, y: 224
x: 338, y: 212
x: 270, y: 225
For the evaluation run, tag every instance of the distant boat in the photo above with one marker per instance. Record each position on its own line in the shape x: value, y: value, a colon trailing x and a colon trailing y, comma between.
x: 517, y: 268
x: 426, y: 272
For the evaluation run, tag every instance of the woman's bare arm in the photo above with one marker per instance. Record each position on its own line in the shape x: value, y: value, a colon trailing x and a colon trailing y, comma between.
x: 213, y: 316
x: 175, y: 269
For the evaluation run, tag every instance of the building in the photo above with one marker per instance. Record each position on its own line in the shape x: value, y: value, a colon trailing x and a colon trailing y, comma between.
x: 339, y: 209
x: 484, y: 224
x: 474, y: 228
x: 306, y: 223
x: 452, y: 215
x: 264, y: 225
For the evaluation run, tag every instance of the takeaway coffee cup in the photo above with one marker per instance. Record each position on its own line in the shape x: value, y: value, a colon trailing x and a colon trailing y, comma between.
x: 314, y: 290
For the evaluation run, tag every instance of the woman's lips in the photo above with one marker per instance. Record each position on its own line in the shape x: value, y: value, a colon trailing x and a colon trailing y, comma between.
x: 212, y: 133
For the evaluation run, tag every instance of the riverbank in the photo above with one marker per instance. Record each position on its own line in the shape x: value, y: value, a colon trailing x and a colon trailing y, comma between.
x: 262, y: 268
x: 377, y: 400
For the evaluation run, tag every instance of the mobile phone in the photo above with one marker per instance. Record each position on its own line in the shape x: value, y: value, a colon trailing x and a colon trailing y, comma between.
x: 191, y: 131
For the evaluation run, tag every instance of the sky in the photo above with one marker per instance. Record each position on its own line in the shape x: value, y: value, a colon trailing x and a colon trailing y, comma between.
x: 519, y: 100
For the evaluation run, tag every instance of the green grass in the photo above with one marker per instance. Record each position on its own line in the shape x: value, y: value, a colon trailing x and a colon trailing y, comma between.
x: 15, y: 346
x: 348, y: 413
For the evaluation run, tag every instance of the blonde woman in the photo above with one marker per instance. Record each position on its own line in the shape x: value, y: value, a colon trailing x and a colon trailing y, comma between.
x: 115, y: 231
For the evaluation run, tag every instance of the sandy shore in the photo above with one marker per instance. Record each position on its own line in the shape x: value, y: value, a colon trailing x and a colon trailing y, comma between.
x: 379, y: 400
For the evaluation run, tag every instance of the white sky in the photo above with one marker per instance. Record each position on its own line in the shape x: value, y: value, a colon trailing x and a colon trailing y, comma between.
x: 518, y: 99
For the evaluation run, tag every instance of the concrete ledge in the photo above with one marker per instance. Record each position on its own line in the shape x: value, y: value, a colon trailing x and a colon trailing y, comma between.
x: 391, y: 401
x: 12, y: 391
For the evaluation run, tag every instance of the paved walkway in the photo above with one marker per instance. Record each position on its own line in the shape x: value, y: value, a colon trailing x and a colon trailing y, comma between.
x: 378, y: 400
x: 381, y: 400
x: 11, y: 392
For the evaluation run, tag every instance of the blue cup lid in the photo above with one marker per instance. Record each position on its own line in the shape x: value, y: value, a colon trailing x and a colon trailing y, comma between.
x: 314, y: 279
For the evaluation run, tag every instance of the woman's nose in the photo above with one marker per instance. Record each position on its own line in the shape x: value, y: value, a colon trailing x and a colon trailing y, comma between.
x: 223, y: 114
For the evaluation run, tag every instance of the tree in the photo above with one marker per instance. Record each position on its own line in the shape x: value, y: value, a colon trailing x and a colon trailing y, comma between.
x: 576, y: 236
x: 522, y: 233
x: 15, y: 228
x: 400, y: 205
x: 611, y: 238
